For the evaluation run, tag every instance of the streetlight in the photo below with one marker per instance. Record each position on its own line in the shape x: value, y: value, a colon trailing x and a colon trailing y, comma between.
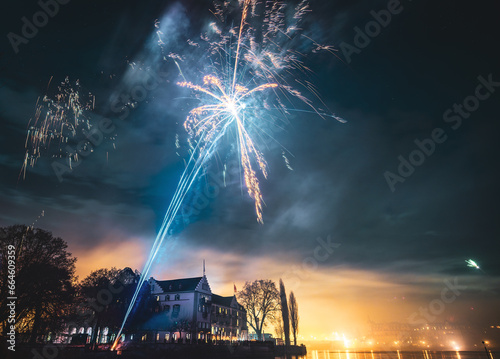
x: 486, y: 349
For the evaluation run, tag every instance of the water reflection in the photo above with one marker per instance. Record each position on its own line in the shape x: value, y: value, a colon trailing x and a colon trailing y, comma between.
x: 424, y: 354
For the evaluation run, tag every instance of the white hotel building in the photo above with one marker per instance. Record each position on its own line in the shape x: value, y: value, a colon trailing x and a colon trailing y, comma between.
x: 188, y: 311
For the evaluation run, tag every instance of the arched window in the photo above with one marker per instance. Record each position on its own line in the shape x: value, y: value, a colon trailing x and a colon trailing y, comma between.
x: 175, y: 310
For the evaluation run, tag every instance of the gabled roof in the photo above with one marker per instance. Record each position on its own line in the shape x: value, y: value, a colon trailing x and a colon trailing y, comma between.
x: 219, y: 300
x: 230, y: 302
x: 179, y: 285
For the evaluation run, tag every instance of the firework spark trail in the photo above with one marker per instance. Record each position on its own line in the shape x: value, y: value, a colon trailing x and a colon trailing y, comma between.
x: 472, y: 264
x: 243, y: 18
x: 236, y: 76
x: 57, y: 119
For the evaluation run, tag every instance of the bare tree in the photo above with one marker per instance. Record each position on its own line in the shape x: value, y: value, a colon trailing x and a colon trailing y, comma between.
x: 284, y: 313
x: 260, y: 299
x: 294, y: 317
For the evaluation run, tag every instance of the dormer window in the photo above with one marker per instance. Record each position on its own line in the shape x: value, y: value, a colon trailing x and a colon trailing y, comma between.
x: 177, y: 297
x: 167, y: 297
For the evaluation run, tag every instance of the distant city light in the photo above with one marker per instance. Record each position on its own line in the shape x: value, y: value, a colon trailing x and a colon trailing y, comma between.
x: 346, y: 341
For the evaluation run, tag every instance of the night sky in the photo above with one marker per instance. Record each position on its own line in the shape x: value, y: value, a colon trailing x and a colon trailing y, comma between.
x: 398, y: 233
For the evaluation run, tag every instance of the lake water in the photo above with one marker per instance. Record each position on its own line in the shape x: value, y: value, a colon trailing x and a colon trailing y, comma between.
x: 424, y: 354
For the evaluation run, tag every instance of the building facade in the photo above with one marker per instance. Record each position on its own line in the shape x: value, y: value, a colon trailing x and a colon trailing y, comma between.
x: 187, y: 311
x: 228, y: 319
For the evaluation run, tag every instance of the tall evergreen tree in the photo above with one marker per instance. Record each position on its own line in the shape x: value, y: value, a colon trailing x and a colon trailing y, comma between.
x: 294, y: 317
x: 284, y: 313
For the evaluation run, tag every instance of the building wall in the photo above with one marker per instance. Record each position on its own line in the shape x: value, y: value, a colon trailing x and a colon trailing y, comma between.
x: 197, y: 316
x: 228, y: 323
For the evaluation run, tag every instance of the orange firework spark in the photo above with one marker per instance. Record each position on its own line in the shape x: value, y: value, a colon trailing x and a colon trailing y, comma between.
x: 57, y: 119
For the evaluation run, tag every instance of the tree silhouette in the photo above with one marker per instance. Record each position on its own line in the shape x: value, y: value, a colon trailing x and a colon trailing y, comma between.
x: 294, y: 317
x: 261, y: 300
x: 284, y: 313
x: 277, y: 323
x: 104, y: 297
x: 44, y: 280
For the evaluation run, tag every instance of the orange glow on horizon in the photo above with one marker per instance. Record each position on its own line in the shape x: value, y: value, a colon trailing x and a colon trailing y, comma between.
x: 343, y: 298
x: 113, y: 253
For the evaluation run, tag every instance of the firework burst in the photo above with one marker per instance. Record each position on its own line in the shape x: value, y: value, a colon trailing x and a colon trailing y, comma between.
x: 58, y: 119
x: 246, y: 80
x: 472, y: 264
x: 250, y: 75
